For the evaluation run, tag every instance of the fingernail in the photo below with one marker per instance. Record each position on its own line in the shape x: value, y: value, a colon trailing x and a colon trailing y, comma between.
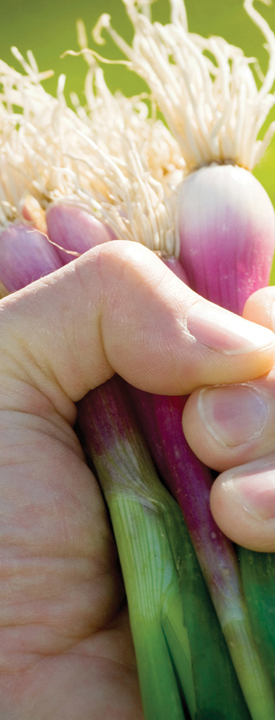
x: 254, y: 490
x: 225, y: 332
x: 234, y: 415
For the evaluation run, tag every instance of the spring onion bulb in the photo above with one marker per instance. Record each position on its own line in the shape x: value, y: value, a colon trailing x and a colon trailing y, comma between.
x: 70, y: 227
x: 29, y: 251
x: 224, y: 219
x: 226, y: 227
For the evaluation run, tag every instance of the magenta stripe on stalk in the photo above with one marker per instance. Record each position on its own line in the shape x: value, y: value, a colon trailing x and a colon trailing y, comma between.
x: 190, y: 482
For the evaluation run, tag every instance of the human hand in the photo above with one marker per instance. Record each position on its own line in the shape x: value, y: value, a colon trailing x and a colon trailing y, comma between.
x: 65, y: 643
x: 232, y: 429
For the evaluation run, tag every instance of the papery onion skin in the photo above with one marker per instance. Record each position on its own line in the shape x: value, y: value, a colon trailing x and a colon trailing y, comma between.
x: 226, y: 227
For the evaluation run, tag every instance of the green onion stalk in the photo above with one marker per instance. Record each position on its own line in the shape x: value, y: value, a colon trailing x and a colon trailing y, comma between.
x: 225, y: 241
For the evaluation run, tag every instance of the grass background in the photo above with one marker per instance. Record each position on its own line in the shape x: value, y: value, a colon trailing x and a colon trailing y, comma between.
x: 49, y: 29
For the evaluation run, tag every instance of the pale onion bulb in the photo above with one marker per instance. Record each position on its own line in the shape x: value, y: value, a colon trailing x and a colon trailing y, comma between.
x: 226, y: 230
x: 207, y: 92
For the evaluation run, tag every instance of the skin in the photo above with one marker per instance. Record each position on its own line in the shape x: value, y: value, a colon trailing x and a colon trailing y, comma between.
x: 65, y: 643
x: 243, y: 496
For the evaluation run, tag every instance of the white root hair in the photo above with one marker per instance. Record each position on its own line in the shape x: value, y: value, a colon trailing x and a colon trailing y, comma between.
x: 108, y: 158
x: 205, y: 88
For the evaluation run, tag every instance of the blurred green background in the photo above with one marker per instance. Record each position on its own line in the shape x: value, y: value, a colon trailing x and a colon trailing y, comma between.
x: 49, y: 28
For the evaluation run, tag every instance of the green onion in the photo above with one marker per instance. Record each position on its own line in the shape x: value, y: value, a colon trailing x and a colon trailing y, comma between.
x: 258, y: 574
x: 115, y: 184
x: 225, y: 228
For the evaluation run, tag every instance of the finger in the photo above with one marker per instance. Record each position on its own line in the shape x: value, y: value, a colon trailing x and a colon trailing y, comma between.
x: 119, y: 309
x: 227, y: 426
x: 243, y: 504
x: 232, y: 425
x: 260, y: 307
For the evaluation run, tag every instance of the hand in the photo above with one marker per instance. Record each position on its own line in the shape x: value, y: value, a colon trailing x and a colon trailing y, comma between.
x: 235, y: 426
x: 65, y: 643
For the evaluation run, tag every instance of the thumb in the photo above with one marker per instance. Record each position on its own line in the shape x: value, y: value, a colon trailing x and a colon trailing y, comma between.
x: 119, y: 309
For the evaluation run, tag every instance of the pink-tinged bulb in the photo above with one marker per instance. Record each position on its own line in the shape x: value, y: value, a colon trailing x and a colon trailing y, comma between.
x: 75, y: 230
x: 25, y: 256
x: 226, y: 229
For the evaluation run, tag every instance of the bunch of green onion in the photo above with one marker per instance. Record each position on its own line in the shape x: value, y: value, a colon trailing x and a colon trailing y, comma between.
x: 213, y: 224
